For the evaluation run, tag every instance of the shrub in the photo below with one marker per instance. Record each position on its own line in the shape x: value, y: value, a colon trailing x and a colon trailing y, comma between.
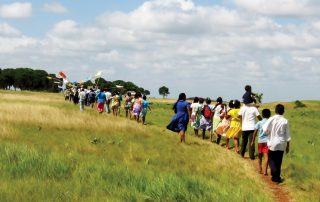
x: 299, y: 104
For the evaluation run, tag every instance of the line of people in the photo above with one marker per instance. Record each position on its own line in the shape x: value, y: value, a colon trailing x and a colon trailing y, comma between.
x: 135, y: 106
x: 234, y: 121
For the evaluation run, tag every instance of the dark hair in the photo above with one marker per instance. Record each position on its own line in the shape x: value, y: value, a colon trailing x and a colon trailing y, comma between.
x: 139, y: 94
x: 144, y: 97
x: 195, y: 100
x: 219, y: 100
x: 208, y: 100
x: 266, y: 113
x: 113, y: 93
x: 182, y: 96
x: 247, y: 88
x: 279, y: 109
x: 236, y: 104
x: 129, y: 93
x: 201, y: 100
x: 231, y: 104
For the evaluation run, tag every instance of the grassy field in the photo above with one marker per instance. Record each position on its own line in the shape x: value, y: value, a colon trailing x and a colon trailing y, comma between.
x: 50, y: 151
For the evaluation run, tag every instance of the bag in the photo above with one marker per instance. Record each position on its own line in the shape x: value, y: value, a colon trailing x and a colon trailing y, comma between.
x: 207, y: 112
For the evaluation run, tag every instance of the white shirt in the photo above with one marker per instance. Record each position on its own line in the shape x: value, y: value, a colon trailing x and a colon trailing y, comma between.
x: 82, y: 96
x: 217, y: 111
x: 278, y: 129
x: 108, y: 95
x: 194, y: 107
x: 248, y: 114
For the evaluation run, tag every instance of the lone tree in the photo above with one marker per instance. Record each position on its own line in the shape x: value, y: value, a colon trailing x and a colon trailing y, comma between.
x: 164, y: 91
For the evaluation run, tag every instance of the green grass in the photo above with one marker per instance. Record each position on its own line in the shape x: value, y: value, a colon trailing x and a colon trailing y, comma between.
x: 47, y: 154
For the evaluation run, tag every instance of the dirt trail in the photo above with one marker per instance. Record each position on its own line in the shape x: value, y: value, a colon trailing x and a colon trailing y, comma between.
x: 278, y: 190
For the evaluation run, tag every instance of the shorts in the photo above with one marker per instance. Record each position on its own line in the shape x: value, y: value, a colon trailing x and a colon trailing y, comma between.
x: 262, y: 148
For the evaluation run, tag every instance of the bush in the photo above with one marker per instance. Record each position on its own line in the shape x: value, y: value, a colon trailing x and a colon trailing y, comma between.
x: 299, y: 104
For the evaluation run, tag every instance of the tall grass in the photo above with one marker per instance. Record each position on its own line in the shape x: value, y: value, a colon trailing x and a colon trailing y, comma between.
x: 47, y: 153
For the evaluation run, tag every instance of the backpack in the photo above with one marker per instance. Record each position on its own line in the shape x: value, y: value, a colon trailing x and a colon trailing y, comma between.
x: 207, y: 112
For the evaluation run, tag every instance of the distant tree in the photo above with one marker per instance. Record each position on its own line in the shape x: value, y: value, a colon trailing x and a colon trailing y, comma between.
x: 259, y: 97
x: 146, y: 92
x: 8, y: 77
x: 164, y: 91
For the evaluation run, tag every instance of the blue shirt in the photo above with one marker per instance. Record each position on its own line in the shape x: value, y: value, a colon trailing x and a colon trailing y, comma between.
x: 263, y: 138
x: 145, y: 104
x: 101, y: 97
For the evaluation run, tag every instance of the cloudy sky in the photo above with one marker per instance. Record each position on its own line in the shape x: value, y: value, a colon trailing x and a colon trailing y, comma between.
x: 201, y: 47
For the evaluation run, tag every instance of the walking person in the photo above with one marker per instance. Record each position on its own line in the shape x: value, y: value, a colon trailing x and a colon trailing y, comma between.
x: 179, y: 122
x: 235, y: 126
x: 277, y: 127
x: 195, y: 115
x: 262, y: 141
x: 82, y: 97
x: 248, y: 114
x: 101, y: 99
x: 145, y: 108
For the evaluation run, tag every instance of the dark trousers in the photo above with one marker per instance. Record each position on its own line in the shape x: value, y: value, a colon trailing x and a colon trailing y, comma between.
x: 275, y: 161
x: 247, y: 135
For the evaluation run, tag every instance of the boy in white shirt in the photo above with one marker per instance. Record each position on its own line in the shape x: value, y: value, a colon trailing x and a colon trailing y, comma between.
x: 278, y: 129
x: 248, y: 114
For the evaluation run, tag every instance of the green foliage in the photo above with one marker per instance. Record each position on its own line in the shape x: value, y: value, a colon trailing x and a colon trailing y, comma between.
x: 164, y: 91
x: 146, y: 92
x: 27, y: 79
x: 258, y: 97
x: 298, y: 104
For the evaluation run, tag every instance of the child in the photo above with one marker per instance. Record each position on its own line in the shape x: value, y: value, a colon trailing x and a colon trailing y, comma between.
x: 223, y: 126
x: 145, y: 107
x: 137, y: 107
x: 235, y: 126
x: 127, y: 104
x: 206, y: 117
x: 262, y: 141
x: 195, y: 116
x: 248, y: 96
x: 278, y: 129
x: 216, y: 116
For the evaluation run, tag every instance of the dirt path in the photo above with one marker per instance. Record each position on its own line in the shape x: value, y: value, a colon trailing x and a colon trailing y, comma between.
x: 278, y: 190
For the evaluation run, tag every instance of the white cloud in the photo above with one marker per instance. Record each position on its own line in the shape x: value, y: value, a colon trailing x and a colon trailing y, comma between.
x: 302, y: 8
x: 16, y: 10
x: 179, y: 44
x: 303, y: 59
x: 8, y: 31
x: 54, y: 8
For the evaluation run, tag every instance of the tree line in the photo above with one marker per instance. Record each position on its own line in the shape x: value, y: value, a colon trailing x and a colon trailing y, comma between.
x: 38, y: 80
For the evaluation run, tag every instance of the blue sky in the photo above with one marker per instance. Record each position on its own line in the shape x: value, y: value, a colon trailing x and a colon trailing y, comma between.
x: 201, y: 47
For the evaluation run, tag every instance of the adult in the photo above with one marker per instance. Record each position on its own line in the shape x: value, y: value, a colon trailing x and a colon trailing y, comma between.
x: 101, y: 99
x: 248, y: 114
x: 180, y: 120
x: 279, y: 137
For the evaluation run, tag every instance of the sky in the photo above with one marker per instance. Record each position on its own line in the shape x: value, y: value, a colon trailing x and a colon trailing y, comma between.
x: 206, y: 48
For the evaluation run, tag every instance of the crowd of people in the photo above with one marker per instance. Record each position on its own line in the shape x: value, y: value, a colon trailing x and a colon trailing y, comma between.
x: 135, y: 105
x: 233, y: 121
